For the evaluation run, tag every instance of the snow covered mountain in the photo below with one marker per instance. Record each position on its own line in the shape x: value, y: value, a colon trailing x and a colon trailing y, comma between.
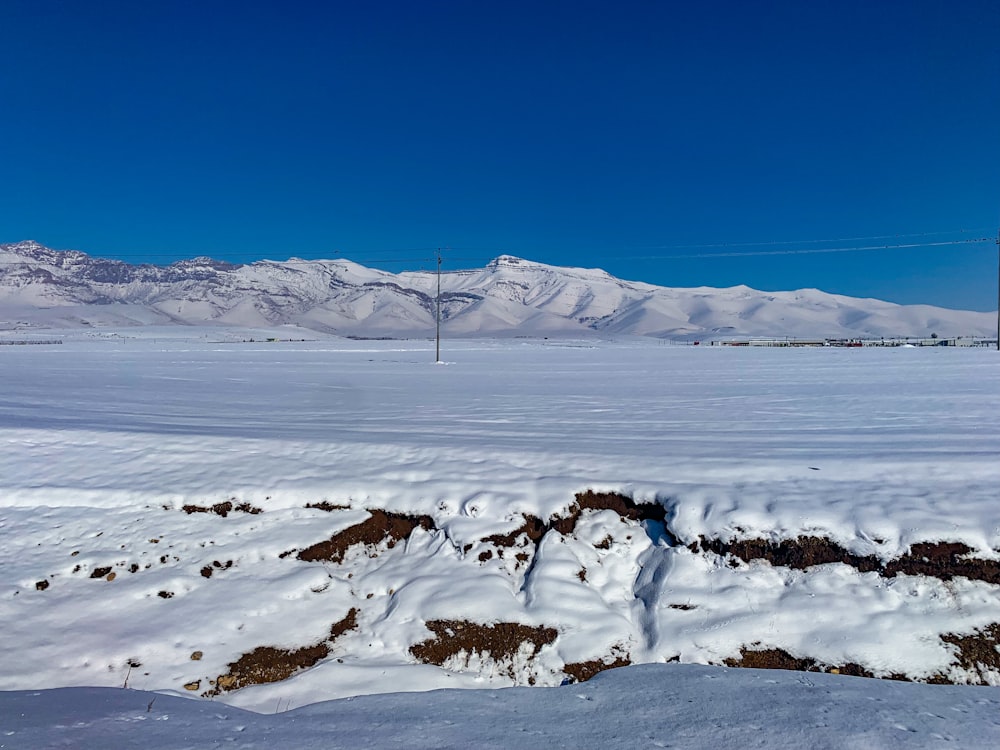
x: 510, y: 296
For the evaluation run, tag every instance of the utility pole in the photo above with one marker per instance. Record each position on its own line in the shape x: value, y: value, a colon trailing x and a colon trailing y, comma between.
x: 437, y: 356
x: 998, y: 290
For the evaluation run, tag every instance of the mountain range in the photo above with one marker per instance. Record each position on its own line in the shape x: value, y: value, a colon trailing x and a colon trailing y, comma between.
x: 41, y: 287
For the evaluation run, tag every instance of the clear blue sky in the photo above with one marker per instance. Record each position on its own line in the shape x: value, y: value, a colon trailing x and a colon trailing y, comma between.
x: 573, y: 133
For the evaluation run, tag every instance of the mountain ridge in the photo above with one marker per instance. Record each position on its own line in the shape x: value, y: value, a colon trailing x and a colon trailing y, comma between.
x: 42, y: 287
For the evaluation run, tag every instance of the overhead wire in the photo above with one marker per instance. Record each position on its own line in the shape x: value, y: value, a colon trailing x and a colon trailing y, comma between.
x: 344, y: 254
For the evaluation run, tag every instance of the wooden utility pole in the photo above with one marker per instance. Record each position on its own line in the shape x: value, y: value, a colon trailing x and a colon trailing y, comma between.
x: 998, y: 290
x: 437, y: 338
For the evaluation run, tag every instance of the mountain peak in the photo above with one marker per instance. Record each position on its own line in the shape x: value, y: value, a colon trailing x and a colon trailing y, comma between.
x: 510, y: 295
x: 509, y: 261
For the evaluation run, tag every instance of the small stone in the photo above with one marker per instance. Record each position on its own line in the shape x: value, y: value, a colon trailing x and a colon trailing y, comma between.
x: 111, y: 576
x: 196, y: 656
x: 193, y: 685
x: 41, y: 585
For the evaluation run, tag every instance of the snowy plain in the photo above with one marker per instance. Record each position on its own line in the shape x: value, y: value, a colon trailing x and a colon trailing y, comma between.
x: 108, y: 436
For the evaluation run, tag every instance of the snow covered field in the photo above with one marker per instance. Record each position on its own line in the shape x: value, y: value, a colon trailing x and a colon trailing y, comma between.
x: 108, y: 578
x: 647, y: 706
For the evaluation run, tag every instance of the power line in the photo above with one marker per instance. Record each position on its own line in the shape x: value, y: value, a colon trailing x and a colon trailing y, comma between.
x: 340, y: 255
x: 806, y: 251
x: 815, y: 242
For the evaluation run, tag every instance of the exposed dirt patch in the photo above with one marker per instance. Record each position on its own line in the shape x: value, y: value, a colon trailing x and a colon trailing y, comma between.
x: 165, y: 594
x: 772, y: 658
x: 800, y: 553
x: 776, y: 658
x: 380, y: 527
x: 978, y: 652
x: 534, y: 528
x: 269, y: 664
x: 221, y: 509
x: 682, y: 607
x: 623, y: 505
x: 943, y: 560
x: 327, y: 506
x: 582, y: 671
x: 100, y: 572
x: 350, y: 622
x: 41, y: 585
x: 502, y: 641
x: 221, y: 565
x: 266, y: 664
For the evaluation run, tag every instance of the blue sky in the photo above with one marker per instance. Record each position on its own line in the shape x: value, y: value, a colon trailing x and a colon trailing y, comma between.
x: 618, y: 135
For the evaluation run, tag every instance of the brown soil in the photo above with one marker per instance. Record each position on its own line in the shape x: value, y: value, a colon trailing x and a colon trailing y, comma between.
x: 41, y: 585
x: 582, y: 671
x: 327, y: 506
x: 772, y: 658
x: 978, y: 652
x: 501, y: 641
x: 623, y: 505
x: 800, y: 553
x: 221, y: 509
x: 100, y: 572
x: 350, y: 622
x: 381, y: 526
x: 269, y: 664
x: 776, y: 658
x: 534, y: 528
x: 943, y: 560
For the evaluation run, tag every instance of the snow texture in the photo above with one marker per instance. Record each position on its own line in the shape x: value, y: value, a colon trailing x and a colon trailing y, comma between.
x: 651, y: 706
x: 108, y: 436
